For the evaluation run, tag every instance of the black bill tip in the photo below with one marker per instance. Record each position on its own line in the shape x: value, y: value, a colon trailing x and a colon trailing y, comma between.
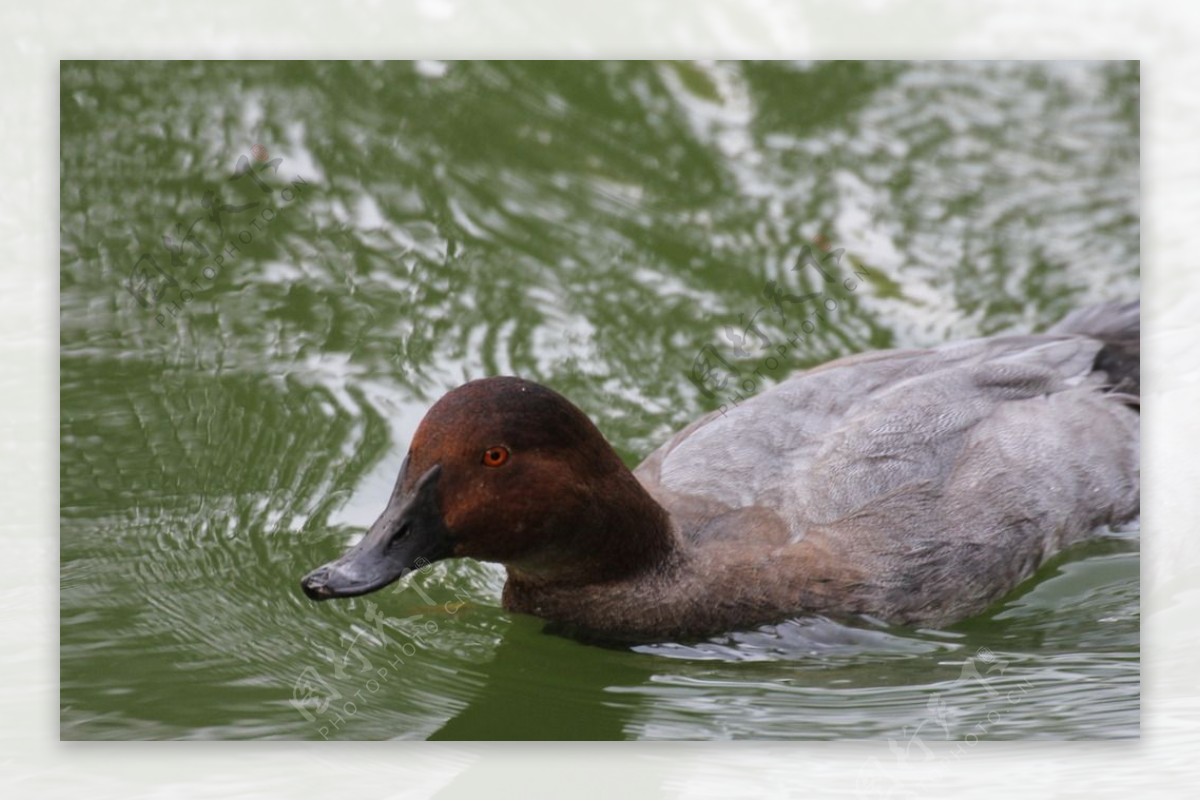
x: 316, y: 584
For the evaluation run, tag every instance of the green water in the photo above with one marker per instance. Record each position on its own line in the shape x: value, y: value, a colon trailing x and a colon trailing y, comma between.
x: 235, y: 405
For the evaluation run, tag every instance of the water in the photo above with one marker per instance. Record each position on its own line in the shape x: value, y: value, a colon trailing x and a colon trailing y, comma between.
x: 594, y: 227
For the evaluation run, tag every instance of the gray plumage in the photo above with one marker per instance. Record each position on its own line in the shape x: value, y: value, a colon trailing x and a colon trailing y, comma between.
x: 936, y: 479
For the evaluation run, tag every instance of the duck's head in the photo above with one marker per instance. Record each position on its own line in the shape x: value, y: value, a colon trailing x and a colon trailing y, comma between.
x: 504, y: 470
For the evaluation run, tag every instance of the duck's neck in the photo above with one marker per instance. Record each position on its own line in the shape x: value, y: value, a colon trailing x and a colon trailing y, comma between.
x: 625, y: 533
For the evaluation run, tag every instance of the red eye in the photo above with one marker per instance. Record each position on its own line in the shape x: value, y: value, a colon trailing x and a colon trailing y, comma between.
x: 494, y: 457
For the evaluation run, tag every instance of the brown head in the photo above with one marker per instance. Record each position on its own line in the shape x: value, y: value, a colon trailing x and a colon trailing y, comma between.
x: 506, y: 470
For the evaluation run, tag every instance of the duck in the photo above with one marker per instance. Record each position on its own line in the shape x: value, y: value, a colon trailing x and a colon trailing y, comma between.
x: 909, y: 487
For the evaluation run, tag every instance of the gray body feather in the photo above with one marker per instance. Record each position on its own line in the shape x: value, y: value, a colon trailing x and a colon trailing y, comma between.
x: 935, y: 479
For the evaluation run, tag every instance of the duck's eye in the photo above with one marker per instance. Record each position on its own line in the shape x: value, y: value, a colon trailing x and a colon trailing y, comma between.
x: 494, y: 457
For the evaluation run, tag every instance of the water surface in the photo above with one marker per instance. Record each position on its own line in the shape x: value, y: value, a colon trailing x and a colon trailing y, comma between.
x: 249, y: 337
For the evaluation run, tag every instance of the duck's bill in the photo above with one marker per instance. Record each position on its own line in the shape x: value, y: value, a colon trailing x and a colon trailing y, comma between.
x: 409, y: 534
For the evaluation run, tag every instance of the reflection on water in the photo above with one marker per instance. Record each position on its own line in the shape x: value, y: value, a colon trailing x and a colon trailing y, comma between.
x: 269, y: 271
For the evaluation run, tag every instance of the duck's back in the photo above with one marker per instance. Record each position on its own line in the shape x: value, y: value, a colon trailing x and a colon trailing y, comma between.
x: 953, y: 467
